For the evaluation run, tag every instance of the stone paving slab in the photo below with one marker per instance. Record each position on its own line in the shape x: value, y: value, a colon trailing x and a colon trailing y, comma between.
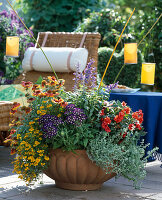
x: 12, y: 188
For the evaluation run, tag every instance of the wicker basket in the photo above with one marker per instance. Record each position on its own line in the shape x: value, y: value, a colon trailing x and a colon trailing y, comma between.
x: 64, y: 39
x: 5, y: 119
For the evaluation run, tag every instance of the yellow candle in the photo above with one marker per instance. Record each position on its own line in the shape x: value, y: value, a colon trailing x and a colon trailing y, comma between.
x: 148, y: 73
x: 12, y: 46
x: 130, y: 53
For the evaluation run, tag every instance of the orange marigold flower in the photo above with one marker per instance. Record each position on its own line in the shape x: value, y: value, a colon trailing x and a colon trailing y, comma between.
x: 27, y: 84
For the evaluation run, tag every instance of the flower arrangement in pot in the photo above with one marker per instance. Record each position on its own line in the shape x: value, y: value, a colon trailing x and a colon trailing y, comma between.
x: 79, y: 138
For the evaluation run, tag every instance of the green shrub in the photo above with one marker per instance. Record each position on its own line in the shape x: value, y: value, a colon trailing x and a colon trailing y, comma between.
x: 55, y: 15
x: 109, y: 24
x: 130, y: 75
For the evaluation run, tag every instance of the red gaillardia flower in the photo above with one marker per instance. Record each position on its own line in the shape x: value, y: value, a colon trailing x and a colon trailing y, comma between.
x: 35, y: 87
x: 14, y: 108
x: 37, y: 93
x: 44, y: 83
x: 27, y: 84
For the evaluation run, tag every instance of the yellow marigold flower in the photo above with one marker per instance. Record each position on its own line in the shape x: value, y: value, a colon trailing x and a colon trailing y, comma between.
x: 18, y: 136
x: 36, y: 118
x: 20, y: 176
x: 43, y: 113
x: 36, y: 131
x: 59, y: 115
x: 18, y: 123
x: 36, y: 143
x: 30, y: 123
x: 42, y: 164
x: 49, y: 105
x: 46, y: 157
x: 26, y: 168
x: 23, y: 142
x: 38, y: 112
x: 31, y: 129
x: 41, y: 154
x: 31, y: 158
x: 37, y: 161
x: 41, y: 107
x: 40, y: 151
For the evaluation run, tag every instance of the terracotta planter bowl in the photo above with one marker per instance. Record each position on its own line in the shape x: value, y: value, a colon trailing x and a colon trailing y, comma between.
x: 75, y: 171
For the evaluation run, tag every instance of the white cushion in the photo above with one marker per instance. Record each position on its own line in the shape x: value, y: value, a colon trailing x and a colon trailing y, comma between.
x: 62, y: 59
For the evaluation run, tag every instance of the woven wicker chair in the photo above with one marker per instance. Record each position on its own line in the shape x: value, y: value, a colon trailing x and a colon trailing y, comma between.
x: 61, y: 39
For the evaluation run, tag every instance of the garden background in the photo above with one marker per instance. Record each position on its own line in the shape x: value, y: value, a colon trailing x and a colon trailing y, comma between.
x: 104, y: 16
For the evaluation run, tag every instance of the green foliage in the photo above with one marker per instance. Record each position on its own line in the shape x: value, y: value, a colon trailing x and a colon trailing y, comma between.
x: 109, y: 24
x: 129, y: 161
x: 55, y: 15
x: 131, y: 71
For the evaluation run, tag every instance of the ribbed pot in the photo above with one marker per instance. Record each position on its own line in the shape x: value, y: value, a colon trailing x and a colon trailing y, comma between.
x: 75, y: 171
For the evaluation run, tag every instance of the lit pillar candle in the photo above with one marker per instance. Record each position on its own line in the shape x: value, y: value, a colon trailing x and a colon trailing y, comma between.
x: 130, y: 53
x: 12, y: 46
x: 148, y: 73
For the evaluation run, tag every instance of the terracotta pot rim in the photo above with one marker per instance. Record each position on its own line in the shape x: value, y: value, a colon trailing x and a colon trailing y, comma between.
x: 80, y: 151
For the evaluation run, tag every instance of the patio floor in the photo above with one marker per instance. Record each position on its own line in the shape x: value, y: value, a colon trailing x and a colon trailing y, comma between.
x: 12, y: 188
